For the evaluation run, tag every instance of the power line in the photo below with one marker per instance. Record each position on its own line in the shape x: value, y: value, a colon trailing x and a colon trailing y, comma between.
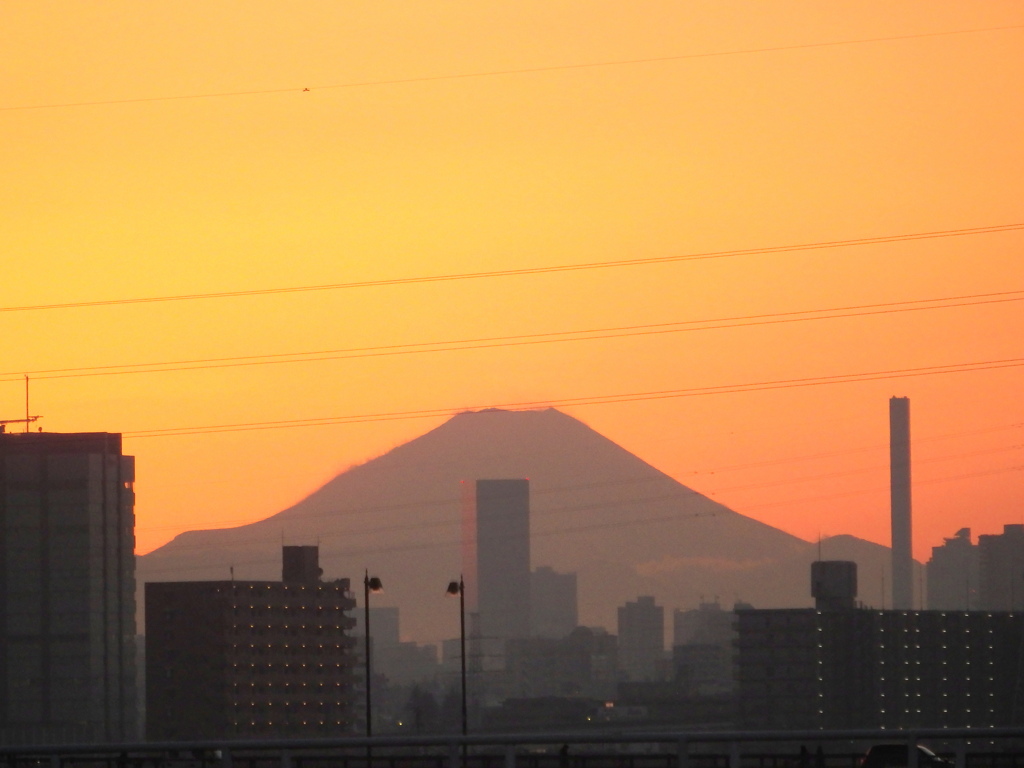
x: 508, y: 72
x: 551, y: 337
x: 810, y: 381
x: 880, y: 488
x: 422, y: 506
x: 631, y: 522
x: 679, y: 493
x: 864, y: 470
x: 539, y: 492
x: 442, y: 544
x: 498, y: 273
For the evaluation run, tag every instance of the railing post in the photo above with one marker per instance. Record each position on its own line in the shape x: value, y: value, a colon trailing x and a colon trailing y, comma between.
x: 510, y: 756
x: 961, y: 754
x: 55, y: 760
x: 286, y: 759
x: 682, y: 753
x: 454, y: 755
x: 734, y: 755
x: 225, y: 758
x: 912, y: 751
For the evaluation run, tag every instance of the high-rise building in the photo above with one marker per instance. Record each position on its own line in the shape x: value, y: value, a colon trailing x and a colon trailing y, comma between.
x: 953, y: 575
x: 67, y: 588
x: 1001, y: 569
x: 497, y: 544
x: 899, y: 491
x: 553, y: 603
x: 233, y: 659
x: 641, y: 639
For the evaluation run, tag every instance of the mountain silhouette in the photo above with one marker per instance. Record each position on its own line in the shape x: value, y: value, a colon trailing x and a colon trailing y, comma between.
x: 625, y: 527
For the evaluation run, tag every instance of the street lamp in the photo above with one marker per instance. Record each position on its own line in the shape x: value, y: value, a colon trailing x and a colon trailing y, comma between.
x: 370, y: 584
x: 459, y: 588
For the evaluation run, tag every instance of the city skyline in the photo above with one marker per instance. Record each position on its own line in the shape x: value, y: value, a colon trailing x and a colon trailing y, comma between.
x: 828, y: 199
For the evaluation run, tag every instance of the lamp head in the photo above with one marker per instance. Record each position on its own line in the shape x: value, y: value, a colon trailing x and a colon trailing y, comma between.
x: 373, y: 584
x: 454, y: 588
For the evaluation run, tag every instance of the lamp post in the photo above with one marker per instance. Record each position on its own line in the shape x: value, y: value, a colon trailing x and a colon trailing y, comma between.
x: 459, y: 588
x: 370, y: 584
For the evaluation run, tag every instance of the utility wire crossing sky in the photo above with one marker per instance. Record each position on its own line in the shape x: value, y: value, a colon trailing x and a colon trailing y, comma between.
x: 493, y: 179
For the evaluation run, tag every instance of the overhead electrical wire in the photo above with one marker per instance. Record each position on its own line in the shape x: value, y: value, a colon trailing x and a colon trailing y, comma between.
x: 545, y: 514
x: 419, y: 524
x: 491, y: 342
x: 499, y: 273
x: 879, y: 488
x: 433, y: 544
x: 551, y: 337
x: 863, y: 470
x: 810, y: 381
x: 848, y: 451
x: 421, y: 506
x: 452, y: 501
x: 274, y: 536
x: 509, y: 72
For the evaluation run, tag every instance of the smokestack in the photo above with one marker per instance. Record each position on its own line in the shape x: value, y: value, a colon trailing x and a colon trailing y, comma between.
x: 899, y: 490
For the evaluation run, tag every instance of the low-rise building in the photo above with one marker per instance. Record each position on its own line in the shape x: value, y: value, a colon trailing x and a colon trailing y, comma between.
x: 233, y: 659
x: 863, y: 668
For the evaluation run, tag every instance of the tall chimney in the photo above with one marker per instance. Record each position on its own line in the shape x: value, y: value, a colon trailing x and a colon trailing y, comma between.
x: 899, y: 490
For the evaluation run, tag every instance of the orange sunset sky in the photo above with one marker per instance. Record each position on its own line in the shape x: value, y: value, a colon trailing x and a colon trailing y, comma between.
x: 169, y: 149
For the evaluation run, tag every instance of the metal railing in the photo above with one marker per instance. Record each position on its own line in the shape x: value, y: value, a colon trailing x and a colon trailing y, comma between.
x: 966, y: 748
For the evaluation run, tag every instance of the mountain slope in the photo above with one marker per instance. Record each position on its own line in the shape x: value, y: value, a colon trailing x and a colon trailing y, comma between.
x: 626, y: 527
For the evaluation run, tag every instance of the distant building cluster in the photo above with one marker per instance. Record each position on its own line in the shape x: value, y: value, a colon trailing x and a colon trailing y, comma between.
x: 987, y: 576
x: 295, y: 658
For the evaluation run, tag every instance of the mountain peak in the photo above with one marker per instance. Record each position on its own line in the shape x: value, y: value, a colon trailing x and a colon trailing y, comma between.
x: 595, y: 508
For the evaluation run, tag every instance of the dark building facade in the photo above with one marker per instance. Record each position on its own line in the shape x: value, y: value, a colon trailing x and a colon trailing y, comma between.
x: 834, y: 584
x: 1001, y: 569
x: 67, y: 588
x: 805, y: 668
x: 953, y: 574
x: 236, y: 659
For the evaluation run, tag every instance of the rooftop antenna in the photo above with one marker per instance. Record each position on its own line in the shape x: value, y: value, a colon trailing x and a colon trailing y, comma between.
x: 27, y: 420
